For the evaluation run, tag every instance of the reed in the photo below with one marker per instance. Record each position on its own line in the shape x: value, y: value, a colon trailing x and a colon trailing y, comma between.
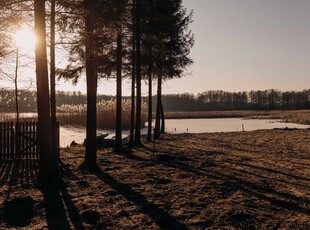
x: 75, y: 115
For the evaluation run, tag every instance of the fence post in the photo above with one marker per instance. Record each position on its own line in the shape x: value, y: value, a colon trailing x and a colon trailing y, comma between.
x: 1, y: 136
x: 12, y: 140
x: 7, y: 141
x: 18, y: 139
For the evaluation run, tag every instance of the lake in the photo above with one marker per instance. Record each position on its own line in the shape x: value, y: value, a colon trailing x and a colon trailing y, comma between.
x: 68, y: 134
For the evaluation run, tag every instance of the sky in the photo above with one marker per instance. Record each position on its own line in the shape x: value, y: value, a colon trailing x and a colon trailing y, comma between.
x: 249, y: 44
x: 240, y: 45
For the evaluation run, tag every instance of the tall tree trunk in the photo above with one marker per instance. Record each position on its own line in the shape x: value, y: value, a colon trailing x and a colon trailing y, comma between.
x: 48, y: 162
x: 149, y: 73
x: 53, y: 83
x: 149, y: 126
x: 118, y: 129
x: 158, y: 108
x: 16, y: 85
x: 138, y: 75
x: 133, y: 77
x: 162, y: 129
x: 90, y: 161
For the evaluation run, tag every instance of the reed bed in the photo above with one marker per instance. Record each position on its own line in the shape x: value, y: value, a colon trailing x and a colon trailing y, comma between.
x: 75, y: 115
x: 4, y: 117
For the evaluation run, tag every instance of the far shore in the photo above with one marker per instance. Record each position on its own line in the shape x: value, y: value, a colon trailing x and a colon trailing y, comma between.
x: 291, y: 116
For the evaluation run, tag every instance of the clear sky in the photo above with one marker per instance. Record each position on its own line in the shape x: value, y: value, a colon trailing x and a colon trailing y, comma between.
x: 249, y: 44
x: 241, y: 45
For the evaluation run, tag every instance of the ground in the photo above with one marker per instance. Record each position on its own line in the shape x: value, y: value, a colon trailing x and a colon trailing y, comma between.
x: 244, y: 180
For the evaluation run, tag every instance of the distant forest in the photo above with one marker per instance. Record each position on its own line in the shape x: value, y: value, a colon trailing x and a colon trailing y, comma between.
x: 215, y: 100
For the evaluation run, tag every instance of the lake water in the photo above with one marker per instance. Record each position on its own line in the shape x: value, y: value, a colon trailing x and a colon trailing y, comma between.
x: 68, y: 134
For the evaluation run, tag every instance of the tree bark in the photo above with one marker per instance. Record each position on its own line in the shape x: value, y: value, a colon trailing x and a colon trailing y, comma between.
x: 16, y: 85
x: 158, y: 108
x: 162, y: 129
x: 48, y: 162
x: 55, y: 142
x: 149, y: 73
x: 118, y: 126
x: 90, y: 161
x: 138, y: 76
x: 133, y: 77
x: 149, y: 126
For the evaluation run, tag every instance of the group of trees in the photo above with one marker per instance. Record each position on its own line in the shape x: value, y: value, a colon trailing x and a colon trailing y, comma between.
x: 140, y: 39
x: 207, y: 101
x: 216, y: 100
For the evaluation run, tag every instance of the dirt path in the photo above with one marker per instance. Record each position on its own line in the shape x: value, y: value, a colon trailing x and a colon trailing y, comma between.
x: 245, y: 180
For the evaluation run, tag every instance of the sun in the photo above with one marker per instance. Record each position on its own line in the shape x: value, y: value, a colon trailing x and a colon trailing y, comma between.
x: 25, y: 39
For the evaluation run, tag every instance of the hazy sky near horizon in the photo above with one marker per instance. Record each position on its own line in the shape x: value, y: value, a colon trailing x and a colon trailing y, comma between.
x: 241, y: 45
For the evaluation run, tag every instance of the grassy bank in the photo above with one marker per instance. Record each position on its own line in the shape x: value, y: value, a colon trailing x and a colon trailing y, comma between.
x: 294, y: 116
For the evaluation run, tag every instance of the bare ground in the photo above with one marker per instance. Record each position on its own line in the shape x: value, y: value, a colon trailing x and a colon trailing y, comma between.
x: 245, y: 180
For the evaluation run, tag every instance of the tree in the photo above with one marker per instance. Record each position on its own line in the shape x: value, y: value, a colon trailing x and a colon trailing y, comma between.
x: 91, y: 81
x: 133, y: 73
x: 48, y: 159
x: 53, y: 77
x: 174, y: 41
x: 118, y: 129
x: 137, y: 140
x: 101, y: 56
x: 150, y: 69
x: 10, y: 21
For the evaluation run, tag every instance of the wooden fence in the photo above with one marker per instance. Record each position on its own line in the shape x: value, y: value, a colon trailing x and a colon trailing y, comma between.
x: 19, y: 140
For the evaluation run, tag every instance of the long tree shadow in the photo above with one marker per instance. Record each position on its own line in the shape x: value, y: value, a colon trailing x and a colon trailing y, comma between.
x: 287, y: 201
x: 18, y: 172
x: 159, y: 215
x: 58, y: 203
x: 166, y: 159
x: 269, y: 170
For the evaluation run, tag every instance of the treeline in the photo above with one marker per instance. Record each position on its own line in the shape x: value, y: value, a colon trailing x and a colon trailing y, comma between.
x: 216, y: 100
x: 213, y: 100
x: 27, y: 100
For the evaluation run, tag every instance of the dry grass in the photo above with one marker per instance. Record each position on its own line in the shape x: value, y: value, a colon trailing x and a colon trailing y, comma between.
x: 245, y: 180
x: 75, y: 115
x: 294, y: 116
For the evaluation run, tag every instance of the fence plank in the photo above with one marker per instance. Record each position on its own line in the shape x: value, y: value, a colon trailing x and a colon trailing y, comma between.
x: 7, y: 141
x: 1, y: 140
x: 12, y: 141
x: 34, y: 138
x: 19, y: 140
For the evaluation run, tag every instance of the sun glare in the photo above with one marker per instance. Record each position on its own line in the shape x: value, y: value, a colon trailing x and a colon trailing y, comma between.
x: 25, y: 39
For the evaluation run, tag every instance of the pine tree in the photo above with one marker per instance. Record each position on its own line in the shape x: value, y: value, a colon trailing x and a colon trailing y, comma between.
x: 48, y: 159
x: 174, y: 41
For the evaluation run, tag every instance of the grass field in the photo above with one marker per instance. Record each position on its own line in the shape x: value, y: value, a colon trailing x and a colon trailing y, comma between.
x: 244, y: 180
